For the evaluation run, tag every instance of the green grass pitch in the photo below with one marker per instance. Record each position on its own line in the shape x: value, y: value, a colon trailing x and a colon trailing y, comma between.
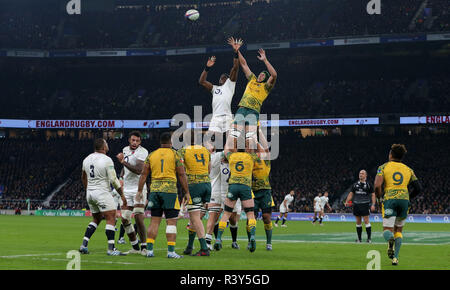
x: 32, y: 242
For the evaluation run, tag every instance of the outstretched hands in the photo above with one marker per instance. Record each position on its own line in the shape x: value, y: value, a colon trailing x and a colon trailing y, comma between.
x: 235, y: 43
x: 262, y: 55
x: 211, y: 61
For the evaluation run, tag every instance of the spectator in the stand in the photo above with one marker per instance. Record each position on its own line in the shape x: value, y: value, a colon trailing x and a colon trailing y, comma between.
x: 310, y: 165
x: 256, y: 21
x: 115, y: 92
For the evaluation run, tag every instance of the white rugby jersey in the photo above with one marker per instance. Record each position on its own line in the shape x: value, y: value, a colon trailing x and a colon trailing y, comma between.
x: 317, y: 201
x: 288, y: 198
x: 222, y: 96
x: 131, y: 179
x: 323, y: 201
x: 96, y: 167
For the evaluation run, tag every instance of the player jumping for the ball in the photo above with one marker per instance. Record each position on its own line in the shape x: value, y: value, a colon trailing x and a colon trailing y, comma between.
x: 221, y: 102
x: 256, y: 91
x: 219, y: 125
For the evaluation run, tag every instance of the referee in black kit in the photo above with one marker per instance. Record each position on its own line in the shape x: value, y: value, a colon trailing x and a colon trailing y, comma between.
x: 361, y: 194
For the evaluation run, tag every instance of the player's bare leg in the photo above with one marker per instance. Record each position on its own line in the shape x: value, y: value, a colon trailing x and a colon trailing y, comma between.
x: 283, y: 224
x: 152, y: 232
x: 358, y: 229
x: 214, y: 211
x: 171, y: 235
x: 110, y: 218
x: 321, y: 215
x: 368, y: 229
x: 129, y: 229
x: 139, y: 217
x: 191, y: 230
x: 267, y: 220
x: 281, y: 215
x: 197, y: 226
x: 234, y: 220
x: 315, y: 218
x: 96, y: 219
x: 235, y: 132
x: 229, y: 206
x: 398, y: 239
x: 248, y: 206
x: 388, y: 234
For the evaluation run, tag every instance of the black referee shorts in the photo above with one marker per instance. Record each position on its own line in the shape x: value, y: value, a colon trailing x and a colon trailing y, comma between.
x: 361, y: 209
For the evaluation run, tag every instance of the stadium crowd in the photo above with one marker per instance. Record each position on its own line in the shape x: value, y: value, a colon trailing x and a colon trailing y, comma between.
x: 307, y: 165
x: 259, y: 21
x: 132, y: 91
x: 31, y: 168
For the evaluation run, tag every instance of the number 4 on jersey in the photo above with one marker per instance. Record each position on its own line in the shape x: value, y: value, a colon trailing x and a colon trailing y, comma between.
x: 200, y: 160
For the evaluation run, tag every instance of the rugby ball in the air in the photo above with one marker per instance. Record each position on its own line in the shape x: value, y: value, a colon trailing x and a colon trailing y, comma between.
x: 192, y: 14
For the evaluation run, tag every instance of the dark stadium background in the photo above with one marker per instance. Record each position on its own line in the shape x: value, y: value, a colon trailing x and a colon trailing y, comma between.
x: 386, y: 80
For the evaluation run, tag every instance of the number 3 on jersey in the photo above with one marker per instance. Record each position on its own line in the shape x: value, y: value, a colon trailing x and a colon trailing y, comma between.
x: 91, y: 172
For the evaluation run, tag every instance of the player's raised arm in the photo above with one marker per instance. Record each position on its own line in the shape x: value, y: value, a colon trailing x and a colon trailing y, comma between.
x: 202, y: 80
x: 235, y: 44
x: 273, y: 73
x: 244, y: 65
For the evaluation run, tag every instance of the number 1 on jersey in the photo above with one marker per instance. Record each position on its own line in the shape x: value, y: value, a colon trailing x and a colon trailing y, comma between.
x: 162, y: 165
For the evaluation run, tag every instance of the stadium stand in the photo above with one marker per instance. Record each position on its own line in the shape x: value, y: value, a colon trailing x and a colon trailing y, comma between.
x: 308, y: 165
x: 164, y: 25
x: 309, y: 85
x: 110, y: 89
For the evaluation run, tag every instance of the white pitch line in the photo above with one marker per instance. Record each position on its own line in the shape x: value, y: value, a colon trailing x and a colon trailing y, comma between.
x: 31, y: 255
x: 336, y: 242
x: 90, y: 261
